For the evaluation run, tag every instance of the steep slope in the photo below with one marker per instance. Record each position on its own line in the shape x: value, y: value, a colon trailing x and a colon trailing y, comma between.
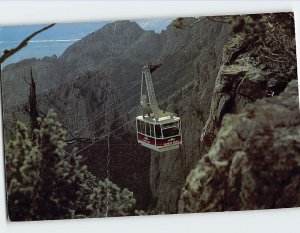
x: 96, y: 49
x: 249, y: 70
x: 242, y: 79
x: 255, y: 161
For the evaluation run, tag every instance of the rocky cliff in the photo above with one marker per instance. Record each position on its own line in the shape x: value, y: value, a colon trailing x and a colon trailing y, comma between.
x: 250, y: 69
x: 254, y: 162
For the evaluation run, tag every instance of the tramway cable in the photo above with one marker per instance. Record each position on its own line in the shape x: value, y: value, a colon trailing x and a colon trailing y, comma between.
x: 131, y: 120
x: 178, y: 48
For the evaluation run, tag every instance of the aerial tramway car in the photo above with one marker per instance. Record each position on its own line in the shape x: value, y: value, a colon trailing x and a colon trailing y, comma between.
x: 156, y: 129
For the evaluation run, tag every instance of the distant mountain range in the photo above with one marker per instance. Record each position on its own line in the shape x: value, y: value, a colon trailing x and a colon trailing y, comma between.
x: 55, y: 40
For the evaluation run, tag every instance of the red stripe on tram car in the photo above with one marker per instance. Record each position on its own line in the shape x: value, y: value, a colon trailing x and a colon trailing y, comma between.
x: 146, y: 139
x: 168, y: 141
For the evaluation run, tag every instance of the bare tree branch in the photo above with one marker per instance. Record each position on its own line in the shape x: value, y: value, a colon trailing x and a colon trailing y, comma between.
x: 8, y: 53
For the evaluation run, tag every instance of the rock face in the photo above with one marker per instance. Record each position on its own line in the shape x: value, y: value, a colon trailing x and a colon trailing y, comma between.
x: 46, y: 71
x: 249, y: 70
x: 73, y: 101
x: 76, y: 100
x: 255, y: 161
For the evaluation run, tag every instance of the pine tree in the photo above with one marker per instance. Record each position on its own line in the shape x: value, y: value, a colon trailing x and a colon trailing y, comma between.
x: 104, y: 199
x: 45, y: 182
x: 60, y: 172
x: 22, y: 175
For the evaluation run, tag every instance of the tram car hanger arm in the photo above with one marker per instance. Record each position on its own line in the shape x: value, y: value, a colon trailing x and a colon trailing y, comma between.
x: 156, y: 129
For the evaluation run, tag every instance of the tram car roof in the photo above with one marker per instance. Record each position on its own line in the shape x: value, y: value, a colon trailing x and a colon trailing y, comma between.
x: 161, y: 120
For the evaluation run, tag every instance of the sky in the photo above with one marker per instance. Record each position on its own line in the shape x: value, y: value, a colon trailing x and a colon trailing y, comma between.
x: 55, y: 40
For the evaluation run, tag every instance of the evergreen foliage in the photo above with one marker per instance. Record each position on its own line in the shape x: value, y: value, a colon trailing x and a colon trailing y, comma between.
x: 22, y: 177
x: 45, y: 182
x: 98, y: 194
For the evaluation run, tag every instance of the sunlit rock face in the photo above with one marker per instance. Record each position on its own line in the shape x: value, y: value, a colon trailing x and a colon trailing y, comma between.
x: 254, y: 162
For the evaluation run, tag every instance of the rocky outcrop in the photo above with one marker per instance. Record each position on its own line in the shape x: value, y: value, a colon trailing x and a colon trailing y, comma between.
x: 254, y: 162
x: 255, y: 64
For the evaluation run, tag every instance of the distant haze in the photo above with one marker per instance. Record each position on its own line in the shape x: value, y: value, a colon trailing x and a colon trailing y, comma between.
x: 55, y: 40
